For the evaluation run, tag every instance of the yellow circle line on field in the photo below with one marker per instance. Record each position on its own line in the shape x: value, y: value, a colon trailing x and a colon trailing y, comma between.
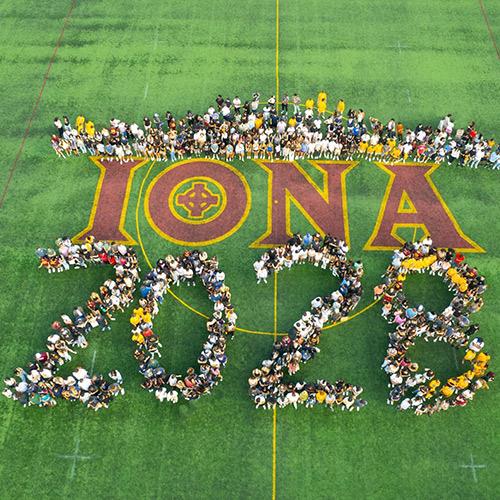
x: 199, y: 313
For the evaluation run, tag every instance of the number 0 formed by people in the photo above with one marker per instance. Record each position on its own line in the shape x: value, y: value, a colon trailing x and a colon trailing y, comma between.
x: 40, y: 384
x: 222, y: 324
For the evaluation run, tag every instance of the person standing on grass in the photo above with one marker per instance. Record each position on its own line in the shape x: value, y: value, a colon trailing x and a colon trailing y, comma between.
x: 237, y: 105
x: 284, y: 104
x: 296, y: 103
x: 59, y: 126
x: 255, y: 102
x: 340, y: 107
x: 322, y: 97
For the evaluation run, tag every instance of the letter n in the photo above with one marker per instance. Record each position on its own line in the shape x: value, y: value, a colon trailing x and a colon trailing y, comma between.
x: 412, y: 200
x: 325, y: 208
x: 109, y: 210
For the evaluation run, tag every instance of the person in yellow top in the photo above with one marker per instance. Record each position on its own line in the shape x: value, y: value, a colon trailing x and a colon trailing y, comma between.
x: 90, y: 128
x: 460, y: 382
x: 341, y: 106
x: 80, y: 122
x: 138, y: 338
x: 363, y: 146
x: 434, y: 384
x: 469, y: 355
x: 258, y: 122
x: 479, y: 369
x: 370, y: 150
x: 482, y: 359
x: 322, y: 97
x: 378, y: 150
x: 138, y: 316
x: 310, y: 103
x: 447, y: 391
x: 292, y: 121
x: 320, y: 396
x: 396, y: 153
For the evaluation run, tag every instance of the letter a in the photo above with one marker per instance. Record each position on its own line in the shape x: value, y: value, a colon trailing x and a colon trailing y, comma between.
x: 412, y: 200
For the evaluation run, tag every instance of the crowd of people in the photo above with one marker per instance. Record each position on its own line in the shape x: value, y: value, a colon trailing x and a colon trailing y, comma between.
x: 270, y: 130
x: 211, y: 361
x: 39, y: 383
x: 267, y: 387
x: 411, y: 388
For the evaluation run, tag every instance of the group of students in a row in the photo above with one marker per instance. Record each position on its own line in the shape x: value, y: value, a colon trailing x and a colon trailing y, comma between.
x: 411, y: 388
x: 39, y: 383
x: 267, y: 387
x: 212, y: 359
x: 231, y: 129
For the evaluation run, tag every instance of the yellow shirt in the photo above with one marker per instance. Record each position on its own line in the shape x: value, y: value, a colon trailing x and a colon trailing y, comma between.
x: 135, y: 320
x: 341, y: 106
x: 89, y: 128
x: 309, y: 104
x: 138, y: 337
x: 482, y: 358
x: 396, y: 152
x: 434, y: 384
x: 322, y: 102
x: 447, y: 391
x: 80, y: 120
x: 462, y: 382
x: 321, y: 396
x: 469, y: 355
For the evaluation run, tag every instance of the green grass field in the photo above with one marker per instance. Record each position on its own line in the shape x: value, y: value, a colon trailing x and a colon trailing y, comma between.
x: 415, y: 61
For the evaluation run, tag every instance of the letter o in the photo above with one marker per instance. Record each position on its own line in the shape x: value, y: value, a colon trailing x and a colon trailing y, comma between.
x: 235, y: 207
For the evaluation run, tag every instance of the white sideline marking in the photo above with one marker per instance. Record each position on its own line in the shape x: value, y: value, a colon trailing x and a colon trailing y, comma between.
x: 146, y: 88
x: 472, y: 466
x: 93, y: 363
x: 455, y: 358
x: 408, y: 95
x: 74, y: 457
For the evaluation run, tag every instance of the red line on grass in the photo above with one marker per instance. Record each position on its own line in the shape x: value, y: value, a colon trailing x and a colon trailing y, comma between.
x: 37, y: 104
x: 488, y: 25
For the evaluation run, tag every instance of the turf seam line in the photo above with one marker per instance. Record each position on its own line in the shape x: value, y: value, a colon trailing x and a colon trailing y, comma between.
x: 13, y: 167
x: 490, y: 30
